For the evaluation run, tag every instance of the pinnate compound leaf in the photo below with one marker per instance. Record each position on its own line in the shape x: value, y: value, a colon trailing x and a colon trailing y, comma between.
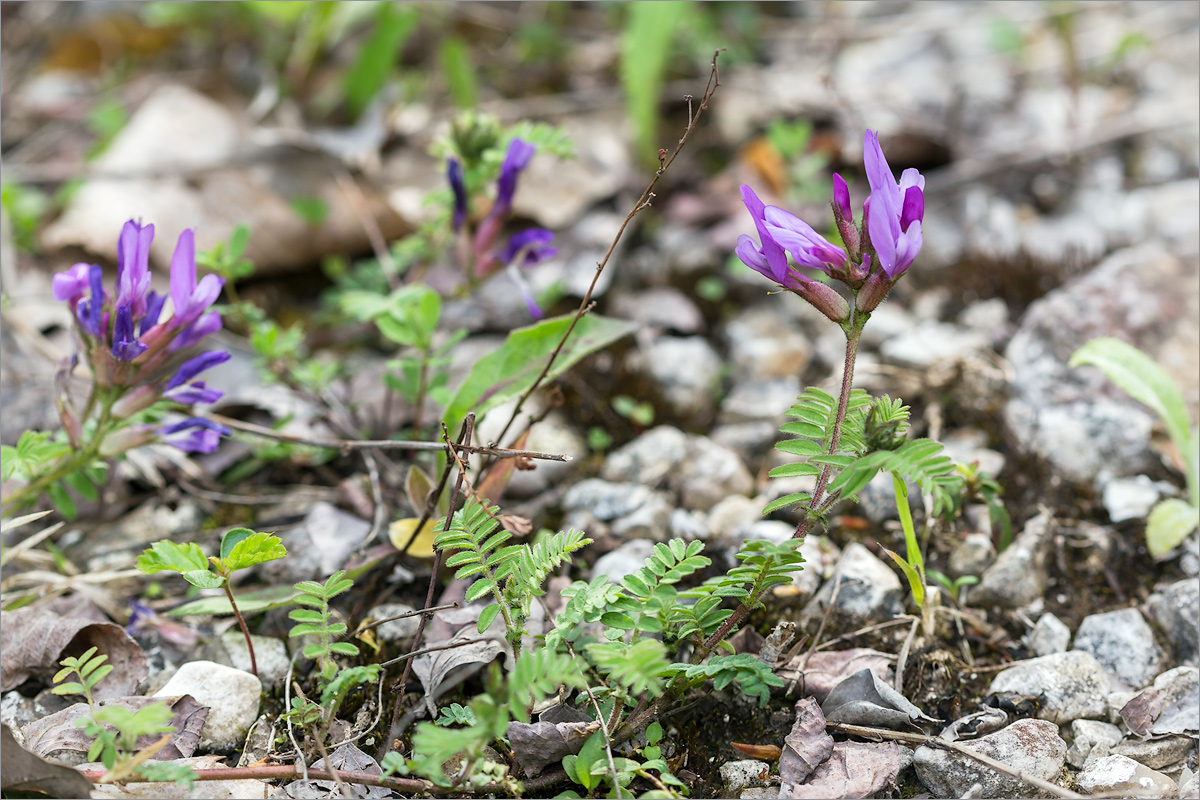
x: 1169, y: 523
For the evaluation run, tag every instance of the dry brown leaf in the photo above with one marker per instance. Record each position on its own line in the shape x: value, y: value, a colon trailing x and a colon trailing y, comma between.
x: 864, y: 699
x: 807, y: 745
x: 25, y: 772
x: 537, y: 745
x: 57, y: 737
x: 827, y: 669
x: 763, y: 752
x: 853, y: 770
x: 33, y: 641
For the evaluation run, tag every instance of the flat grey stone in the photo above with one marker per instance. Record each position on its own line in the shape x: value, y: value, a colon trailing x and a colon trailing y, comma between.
x: 1074, y: 683
x: 869, y: 590
x: 1155, y: 753
x: 1124, y: 777
x: 1176, y: 609
x: 1091, y: 738
x: 1123, y: 644
x: 1019, y: 575
x: 1049, y: 635
x: 1028, y: 745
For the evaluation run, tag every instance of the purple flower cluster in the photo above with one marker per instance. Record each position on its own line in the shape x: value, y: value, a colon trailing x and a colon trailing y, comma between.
x: 875, y: 254
x: 524, y: 249
x: 131, y: 349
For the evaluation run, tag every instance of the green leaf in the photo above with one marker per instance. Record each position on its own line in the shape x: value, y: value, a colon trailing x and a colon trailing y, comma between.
x: 645, y: 51
x: 392, y: 26
x: 61, y: 500
x: 1144, y: 380
x: 591, y: 752
x: 487, y: 616
x: 455, y: 58
x: 169, y: 555
x: 510, y: 370
x: 248, y: 603
x: 914, y: 580
x: 252, y: 549
x: 1169, y: 523
x: 345, y: 648
x: 68, y: 688
x: 80, y: 483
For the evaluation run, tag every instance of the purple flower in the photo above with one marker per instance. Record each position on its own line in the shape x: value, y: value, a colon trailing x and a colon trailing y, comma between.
x: 895, y: 211
x: 809, y: 248
x: 89, y: 312
x: 190, y: 299
x: 181, y: 389
x: 529, y: 247
x: 769, y: 259
x: 194, y: 435
x: 841, y: 197
x: 516, y: 158
x: 69, y: 286
x: 133, y: 267
x: 454, y: 174
x: 154, y: 307
x: 125, y: 346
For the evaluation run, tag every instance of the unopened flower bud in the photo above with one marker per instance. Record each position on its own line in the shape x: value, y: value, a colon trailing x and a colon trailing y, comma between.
x: 825, y: 299
x: 873, y: 291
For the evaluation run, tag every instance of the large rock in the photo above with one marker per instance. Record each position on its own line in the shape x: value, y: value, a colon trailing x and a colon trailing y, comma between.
x: 1074, y: 684
x: 1076, y: 419
x: 1123, y: 644
x: 231, y: 695
x: 869, y: 589
x: 1176, y: 608
x: 1030, y: 746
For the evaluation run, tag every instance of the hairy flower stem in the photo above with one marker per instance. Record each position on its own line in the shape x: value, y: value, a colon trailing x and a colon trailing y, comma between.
x: 814, y: 510
x: 242, y: 624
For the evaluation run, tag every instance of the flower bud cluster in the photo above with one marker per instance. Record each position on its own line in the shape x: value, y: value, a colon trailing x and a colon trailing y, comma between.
x: 524, y: 249
x: 133, y: 341
x: 875, y: 254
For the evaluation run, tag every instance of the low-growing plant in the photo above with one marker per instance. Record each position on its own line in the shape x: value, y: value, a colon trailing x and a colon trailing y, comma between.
x: 115, y: 730
x: 1172, y: 519
x: 241, y: 548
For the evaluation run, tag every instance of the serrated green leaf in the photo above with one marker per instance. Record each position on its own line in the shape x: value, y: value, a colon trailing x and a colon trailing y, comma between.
x: 249, y: 551
x: 169, y: 555
x: 232, y: 538
x: 1169, y: 523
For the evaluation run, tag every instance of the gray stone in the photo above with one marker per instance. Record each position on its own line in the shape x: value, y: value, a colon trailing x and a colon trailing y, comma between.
x: 606, y: 501
x: 709, y: 473
x: 1091, y: 739
x: 760, y: 793
x: 1123, y: 644
x: 1189, y: 785
x: 1176, y: 609
x: 687, y: 372
x: 1050, y: 635
x: 744, y: 774
x: 869, y: 590
x: 1019, y: 575
x: 1031, y: 746
x: 317, y: 547
x: 270, y: 654
x: 1132, y: 498
x: 649, y: 459
x: 932, y: 342
x: 396, y: 630
x: 552, y: 435
x: 626, y: 559
x: 232, y: 697
x: 820, y: 559
x: 750, y: 440
x: 758, y: 400
x: 1074, y: 683
x: 972, y: 556
x: 1124, y: 777
x: 731, y: 516
x: 650, y: 520
x: 689, y: 525
x: 1076, y: 419
x: 765, y: 344
x: 1156, y: 753
x: 660, y: 307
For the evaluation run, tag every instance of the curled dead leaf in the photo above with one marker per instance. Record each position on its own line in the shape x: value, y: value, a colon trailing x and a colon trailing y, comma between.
x: 763, y: 752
